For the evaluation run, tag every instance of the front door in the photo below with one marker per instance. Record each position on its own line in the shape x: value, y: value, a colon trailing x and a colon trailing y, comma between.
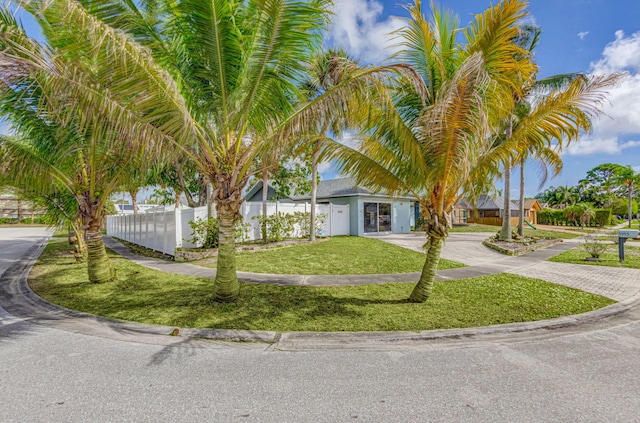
x: 377, y: 217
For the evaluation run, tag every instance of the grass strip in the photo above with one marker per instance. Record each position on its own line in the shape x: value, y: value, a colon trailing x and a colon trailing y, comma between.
x: 148, y: 296
x: 608, y: 258
x: 348, y: 255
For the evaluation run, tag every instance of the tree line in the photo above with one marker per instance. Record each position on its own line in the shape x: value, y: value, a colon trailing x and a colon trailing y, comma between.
x: 606, y: 186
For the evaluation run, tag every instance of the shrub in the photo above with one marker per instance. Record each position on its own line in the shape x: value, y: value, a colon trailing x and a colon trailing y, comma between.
x: 603, y: 217
x: 575, y: 215
x: 281, y: 226
x: 207, y: 232
x: 594, y: 246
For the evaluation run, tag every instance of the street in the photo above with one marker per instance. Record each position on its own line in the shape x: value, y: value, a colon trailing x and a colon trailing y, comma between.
x: 53, y: 375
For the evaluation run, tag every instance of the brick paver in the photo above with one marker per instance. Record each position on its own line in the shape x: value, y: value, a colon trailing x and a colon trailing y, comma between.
x: 612, y: 282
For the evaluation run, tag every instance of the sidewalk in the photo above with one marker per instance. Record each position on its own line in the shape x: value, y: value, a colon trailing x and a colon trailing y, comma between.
x: 616, y: 283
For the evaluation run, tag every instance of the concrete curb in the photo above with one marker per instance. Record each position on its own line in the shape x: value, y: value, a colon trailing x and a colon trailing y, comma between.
x: 19, y: 300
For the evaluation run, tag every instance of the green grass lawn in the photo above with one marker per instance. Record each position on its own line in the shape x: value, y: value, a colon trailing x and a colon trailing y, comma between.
x: 472, y: 227
x: 609, y: 258
x: 145, y: 295
x: 343, y: 255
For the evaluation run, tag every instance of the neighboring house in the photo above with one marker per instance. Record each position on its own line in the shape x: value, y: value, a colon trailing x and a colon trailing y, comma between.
x: 142, y: 208
x: 15, y: 208
x: 489, y: 210
x: 369, y: 213
x: 461, y: 212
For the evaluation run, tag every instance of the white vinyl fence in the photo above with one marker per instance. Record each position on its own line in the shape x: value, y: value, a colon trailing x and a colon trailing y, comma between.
x: 165, y: 231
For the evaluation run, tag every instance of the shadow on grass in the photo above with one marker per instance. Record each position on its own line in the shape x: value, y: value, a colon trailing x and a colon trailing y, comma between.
x: 181, y: 301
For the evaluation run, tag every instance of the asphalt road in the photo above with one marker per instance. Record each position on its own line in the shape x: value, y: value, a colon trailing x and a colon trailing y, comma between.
x: 52, y: 375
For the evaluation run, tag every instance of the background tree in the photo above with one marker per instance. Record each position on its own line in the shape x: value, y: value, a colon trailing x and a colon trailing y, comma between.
x: 557, y: 108
x: 604, y: 181
x: 629, y: 179
x: 326, y: 70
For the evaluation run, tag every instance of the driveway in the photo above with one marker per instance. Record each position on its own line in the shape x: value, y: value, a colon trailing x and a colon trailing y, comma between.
x: 464, y: 248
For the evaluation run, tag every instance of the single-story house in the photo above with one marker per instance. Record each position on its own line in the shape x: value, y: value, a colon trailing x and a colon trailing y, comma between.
x: 489, y: 210
x: 16, y: 208
x: 370, y: 213
x: 142, y: 208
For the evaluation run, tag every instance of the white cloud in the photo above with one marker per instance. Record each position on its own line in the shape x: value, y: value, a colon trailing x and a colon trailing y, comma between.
x: 350, y: 140
x: 619, y: 55
x: 5, y: 128
x: 357, y: 27
x: 324, y: 167
x: 620, y: 119
x: 582, y: 35
x: 591, y: 146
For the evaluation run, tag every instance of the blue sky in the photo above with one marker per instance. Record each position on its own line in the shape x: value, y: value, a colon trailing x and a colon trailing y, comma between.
x: 577, y: 36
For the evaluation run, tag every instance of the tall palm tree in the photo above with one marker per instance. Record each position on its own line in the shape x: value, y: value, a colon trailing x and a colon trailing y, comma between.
x: 628, y: 178
x: 546, y: 158
x: 433, y: 139
x: 567, y: 116
x: 325, y: 71
x: 216, y: 79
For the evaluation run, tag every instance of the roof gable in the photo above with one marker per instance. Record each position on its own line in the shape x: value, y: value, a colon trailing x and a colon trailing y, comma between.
x: 330, y: 188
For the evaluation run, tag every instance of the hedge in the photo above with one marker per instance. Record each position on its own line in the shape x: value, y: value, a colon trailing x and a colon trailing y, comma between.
x: 558, y: 218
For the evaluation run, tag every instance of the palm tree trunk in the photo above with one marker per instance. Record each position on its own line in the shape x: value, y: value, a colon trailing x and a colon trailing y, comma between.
x: 226, y: 287
x: 265, y: 197
x: 630, y: 208
x: 314, y: 192
x: 505, y: 232
x: 98, y: 263
x: 423, y: 288
x: 521, y: 204
x: 80, y: 245
x: 134, y: 200
x: 211, y: 203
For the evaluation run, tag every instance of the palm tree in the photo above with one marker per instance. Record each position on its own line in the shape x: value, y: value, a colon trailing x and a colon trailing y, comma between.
x: 433, y: 139
x: 556, y: 108
x: 68, y: 127
x: 545, y: 157
x: 325, y: 71
x: 216, y: 79
x: 628, y: 178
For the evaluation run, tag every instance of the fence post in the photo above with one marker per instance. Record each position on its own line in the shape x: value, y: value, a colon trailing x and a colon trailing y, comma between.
x: 155, y: 224
x: 178, y: 220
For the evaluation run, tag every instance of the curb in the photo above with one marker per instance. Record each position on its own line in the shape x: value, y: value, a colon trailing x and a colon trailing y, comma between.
x: 17, y: 298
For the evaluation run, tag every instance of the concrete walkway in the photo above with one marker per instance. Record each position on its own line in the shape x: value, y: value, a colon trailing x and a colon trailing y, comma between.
x: 615, y: 283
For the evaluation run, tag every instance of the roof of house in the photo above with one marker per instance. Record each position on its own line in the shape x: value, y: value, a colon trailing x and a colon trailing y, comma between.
x: 496, y: 202
x: 492, y: 202
x: 331, y: 188
x: 532, y: 204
